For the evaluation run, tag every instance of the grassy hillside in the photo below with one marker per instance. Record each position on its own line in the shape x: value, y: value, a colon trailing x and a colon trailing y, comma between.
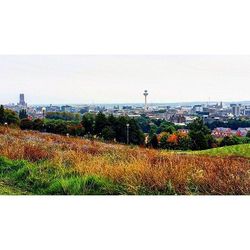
x: 237, y: 150
x: 36, y: 163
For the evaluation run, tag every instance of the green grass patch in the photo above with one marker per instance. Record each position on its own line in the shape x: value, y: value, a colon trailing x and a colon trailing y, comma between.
x: 44, y: 179
x: 236, y: 150
x: 87, y: 185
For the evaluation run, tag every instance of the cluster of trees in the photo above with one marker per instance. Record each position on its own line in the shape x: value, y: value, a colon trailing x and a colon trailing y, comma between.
x: 198, y: 138
x: 108, y: 128
x: 66, y: 116
x: 23, y: 114
x: 175, y: 141
x: 234, y: 140
x: 53, y: 126
x: 112, y: 128
x: 156, y: 126
x: 234, y: 124
x: 8, y: 116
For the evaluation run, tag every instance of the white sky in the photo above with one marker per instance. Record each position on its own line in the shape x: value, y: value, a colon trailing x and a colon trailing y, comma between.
x: 119, y: 79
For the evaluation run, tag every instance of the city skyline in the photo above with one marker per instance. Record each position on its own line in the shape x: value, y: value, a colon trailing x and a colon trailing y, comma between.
x: 122, y: 79
x: 22, y: 102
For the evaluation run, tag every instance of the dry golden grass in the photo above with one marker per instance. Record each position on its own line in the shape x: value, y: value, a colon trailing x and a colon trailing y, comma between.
x: 136, y: 168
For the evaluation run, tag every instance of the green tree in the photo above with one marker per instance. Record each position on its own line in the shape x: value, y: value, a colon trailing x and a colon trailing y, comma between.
x: 184, y: 142
x: 200, y: 135
x: 61, y: 128
x: 100, y: 123
x: 166, y: 127
x: 88, y: 123
x: 198, y: 140
x: 2, y: 115
x: 11, y: 117
x: 78, y: 117
x: 153, y: 141
x: 57, y: 126
x: 120, y: 128
x: 169, y: 129
x: 164, y: 140
x: 248, y: 134
x: 108, y: 133
x: 23, y: 114
x: 153, y: 130
x: 136, y: 136
x: 144, y: 123
x: 111, y: 120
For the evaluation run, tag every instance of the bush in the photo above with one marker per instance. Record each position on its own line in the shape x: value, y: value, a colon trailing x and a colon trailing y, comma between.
x: 26, y: 124
x: 248, y: 134
x: 230, y: 140
x: 76, y: 130
x: 38, y: 124
x: 245, y: 140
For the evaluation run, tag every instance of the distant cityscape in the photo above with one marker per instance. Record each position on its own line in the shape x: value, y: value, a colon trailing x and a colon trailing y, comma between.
x: 182, y: 114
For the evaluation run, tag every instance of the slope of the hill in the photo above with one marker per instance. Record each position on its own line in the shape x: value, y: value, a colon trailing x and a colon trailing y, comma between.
x: 236, y: 150
x: 39, y: 163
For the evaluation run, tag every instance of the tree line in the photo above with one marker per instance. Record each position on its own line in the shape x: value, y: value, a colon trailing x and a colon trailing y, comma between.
x: 197, y: 137
x: 160, y: 133
x: 233, y: 124
x: 66, y: 116
x: 108, y: 128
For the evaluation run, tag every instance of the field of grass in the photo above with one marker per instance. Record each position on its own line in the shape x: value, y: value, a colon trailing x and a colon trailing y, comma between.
x: 236, y: 150
x: 44, y: 164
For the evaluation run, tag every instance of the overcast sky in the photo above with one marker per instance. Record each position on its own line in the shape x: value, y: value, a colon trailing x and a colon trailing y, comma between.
x: 119, y: 79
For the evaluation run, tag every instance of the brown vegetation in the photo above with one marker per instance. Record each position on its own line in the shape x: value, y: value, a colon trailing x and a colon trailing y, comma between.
x: 136, y: 168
